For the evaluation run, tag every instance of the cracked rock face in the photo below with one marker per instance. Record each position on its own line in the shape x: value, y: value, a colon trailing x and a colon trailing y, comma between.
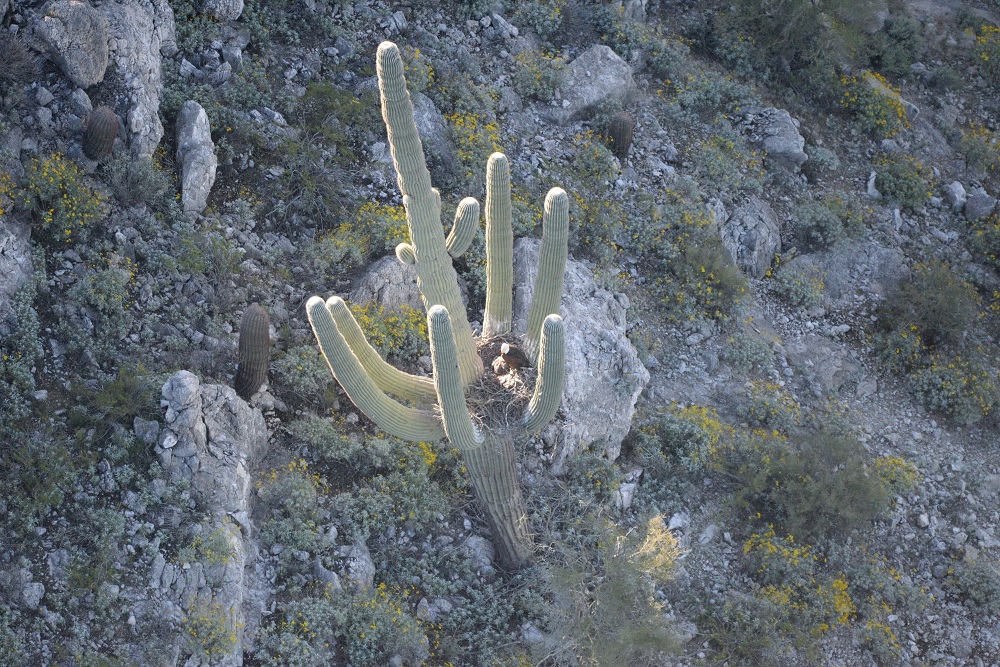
x: 596, y: 76
x: 604, y: 376
x: 775, y: 131
x: 76, y: 37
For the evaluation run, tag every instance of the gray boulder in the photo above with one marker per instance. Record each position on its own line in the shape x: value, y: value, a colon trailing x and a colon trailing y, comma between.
x: 855, y: 268
x: 826, y: 364
x: 223, y: 10
x: 15, y: 266
x: 752, y: 236
x: 775, y: 131
x: 596, y: 76
x: 140, y: 31
x: 979, y: 205
x: 76, y: 37
x: 196, y: 155
x: 954, y: 194
x: 432, y: 127
x: 604, y: 376
x: 388, y: 282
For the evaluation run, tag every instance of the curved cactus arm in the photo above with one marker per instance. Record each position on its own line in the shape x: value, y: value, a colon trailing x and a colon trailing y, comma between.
x: 551, y: 376
x: 458, y: 425
x: 436, y: 277
x: 395, y: 419
x: 499, y: 248
x: 488, y: 457
x: 404, y: 253
x: 547, y: 295
x: 387, y: 377
x: 463, y: 230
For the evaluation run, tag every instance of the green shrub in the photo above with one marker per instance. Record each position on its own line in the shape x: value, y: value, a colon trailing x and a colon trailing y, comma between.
x: 665, y: 56
x: 399, y: 334
x: 978, y: 582
x: 821, y: 161
x: 894, y: 48
x: 543, y: 17
x: 367, y: 628
x: 988, y: 52
x: 418, y: 70
x: 211, y: 629
x: 708, y: 93
x: 136, y: 181
x: 61, y: 202
x: 604, y: 606
x: 798, y: 286
x: 538, y: 75
x: 904, y: 179
x: 936, y: 304
x: 875, y: 104
x: 20, y: 355
x: 291, y: 498
x: 955, y: 386
x: 727, y: 165
x: 746, y: 353
x: 301, y: 374
x: 770, y: 406
x: 476, y: 137
x: 985, y: 239
x: 980, y: 147
x: 817, y: 226
x: 819, y: 487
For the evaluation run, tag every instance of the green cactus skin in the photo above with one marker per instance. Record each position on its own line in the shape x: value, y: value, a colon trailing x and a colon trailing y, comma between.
x: 100, y: 133
x: 464, y: 228
x: 488, y: 457
x: 436, y: 277
x: 499, y: 248
x: 489, y: 453
x: 620, y: 134
x: 552, y: 255
x: 551, y: 376
x: 400, y: 421
x: 254, y: 351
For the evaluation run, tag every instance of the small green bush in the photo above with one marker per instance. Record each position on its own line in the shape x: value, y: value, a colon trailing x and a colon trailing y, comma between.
x: 904, y: 179
x: 978, y: 582
x: 302, y: 375
x: 538, y: 75
x: 817, y: 226
x: 897, y: 46
x: 958, y: 387
x: 292, y: 499
x: 798, y: 286
x: 746, y: 352
x: 769, y: 406
x: 543, y: 17
x: 727, y: 165
x: 988, y: 52
x: 985, y: 239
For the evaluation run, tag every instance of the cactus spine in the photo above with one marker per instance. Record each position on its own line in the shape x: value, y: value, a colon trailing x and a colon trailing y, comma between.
x: 100, y: 133
x: 620, y: 133
x: 488, y: 451
x: 254, y: 351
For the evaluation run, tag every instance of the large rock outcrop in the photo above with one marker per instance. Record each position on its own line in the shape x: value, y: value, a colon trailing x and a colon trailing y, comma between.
x: 775, y: 131
x: 76, y: 37
x: 196, y: 156
x: 209, y: 442
x: 604, y: 376
x: 752, y: 236
x: 596, y: 76
x: 141, y: 30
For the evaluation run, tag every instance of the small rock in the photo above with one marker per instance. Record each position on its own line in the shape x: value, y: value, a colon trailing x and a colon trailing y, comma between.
x: 923, y: 521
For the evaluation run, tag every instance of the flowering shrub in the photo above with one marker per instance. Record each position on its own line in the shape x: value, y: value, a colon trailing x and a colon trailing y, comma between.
x: 875, y: 104
x: 769, y: 405
x: 988, y: 52
x: 399, y: 333
x: 538, y: 75
x: 417, y: 69
x: 543, y: 17
x: 726, y: 165
x: 899, y: 475
x: 985, y: 238
x: 212, y: 630
x: 476, y: 137
x: 64, y: 206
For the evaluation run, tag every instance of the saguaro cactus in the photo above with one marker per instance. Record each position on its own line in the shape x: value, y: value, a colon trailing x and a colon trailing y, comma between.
x: 254, y: 351
x: 488, y: 448
x: 100, y: 133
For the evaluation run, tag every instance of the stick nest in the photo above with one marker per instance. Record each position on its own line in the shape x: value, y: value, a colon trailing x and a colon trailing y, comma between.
x: 499, y: 398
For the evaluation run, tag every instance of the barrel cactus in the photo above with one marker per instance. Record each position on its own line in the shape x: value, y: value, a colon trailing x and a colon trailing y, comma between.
x: 100, y: 133
x: 254, y: 351
x: 439, y: 407
x: 620, y: 134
